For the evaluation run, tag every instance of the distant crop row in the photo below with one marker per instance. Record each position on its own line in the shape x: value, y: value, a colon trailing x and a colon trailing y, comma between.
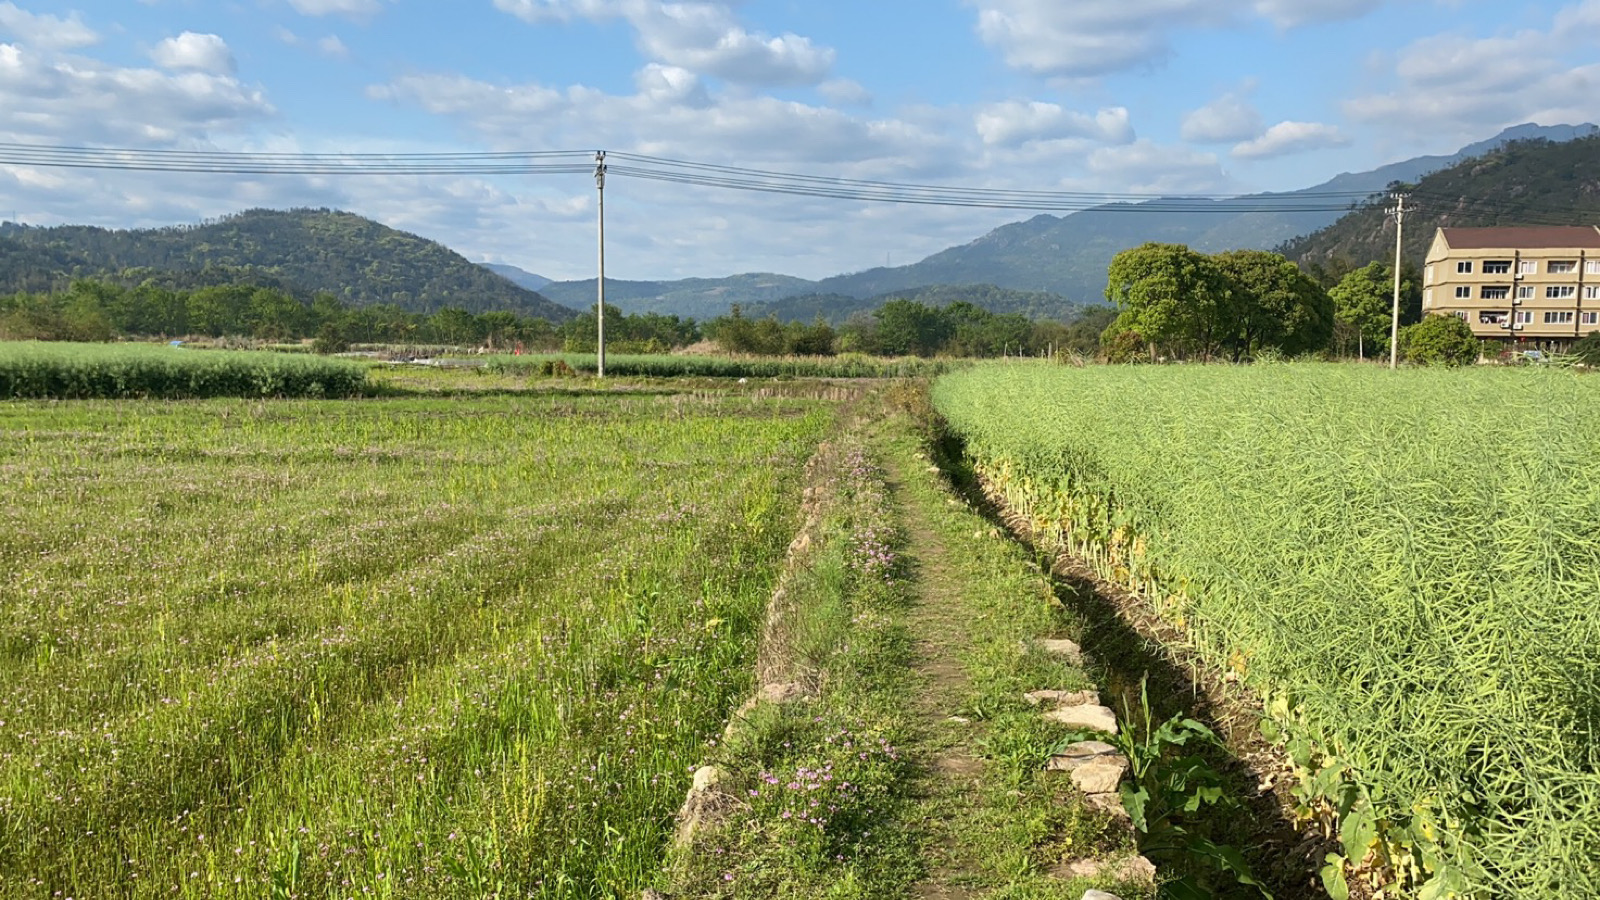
x: 1405, y: 566
x: 101, y: 371
x: 725, y: 367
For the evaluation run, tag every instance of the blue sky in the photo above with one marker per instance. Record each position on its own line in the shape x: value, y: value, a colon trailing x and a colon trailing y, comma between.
x: 1177, y: 96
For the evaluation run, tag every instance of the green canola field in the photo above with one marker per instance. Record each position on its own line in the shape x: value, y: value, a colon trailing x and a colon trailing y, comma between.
x: 1406, y: 566
x: 408, y: 647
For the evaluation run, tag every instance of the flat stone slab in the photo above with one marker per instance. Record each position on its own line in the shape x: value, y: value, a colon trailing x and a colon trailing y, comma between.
x: 1110, y: 804
x: 1097, y: 718
x: 1136, y: 869
x: 1099, y: 895
x: 1068, y: 650
x: 1061, y: 698
x: 1079, y: 755
x: 706, y: 778
x: 1102, y: 776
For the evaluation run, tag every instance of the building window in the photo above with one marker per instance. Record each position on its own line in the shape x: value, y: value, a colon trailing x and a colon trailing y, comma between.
x: 1558, y: 317
x: 1528, y: 267
x: 1497, y: 267
x: 1492, y: 318
x: 1495, y: 293
x: 1461, y: 314
x: 1590, y: 318
x: 1464, y: 267
x: 1463, y: 292
x: 1524, y: 317
x: 1591, y: 292
x: 1525, y: 293
x: 1561, y: 292
x: 1564, y: 267
x: 1592, y: 267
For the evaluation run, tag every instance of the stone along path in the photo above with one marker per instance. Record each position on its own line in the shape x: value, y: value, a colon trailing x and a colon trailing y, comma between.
x: 983, y: 832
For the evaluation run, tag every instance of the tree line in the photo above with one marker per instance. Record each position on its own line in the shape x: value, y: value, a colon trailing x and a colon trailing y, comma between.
x: 907, y: 327
x: 91, y: 310
x: 1177, y: 303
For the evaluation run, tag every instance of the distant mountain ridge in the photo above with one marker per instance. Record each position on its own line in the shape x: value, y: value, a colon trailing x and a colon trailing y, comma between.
x: 518, y: 276
x: 1065, y: 255
x: 1531, y: 182
x: 356, y: 259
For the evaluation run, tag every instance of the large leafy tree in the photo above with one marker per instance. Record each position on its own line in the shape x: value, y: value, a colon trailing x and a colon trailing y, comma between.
x: 1176, y: 299
x: 1363, y: 302
x: 1440, y: 341
x: 908, y: 328
x: 1276, y: 305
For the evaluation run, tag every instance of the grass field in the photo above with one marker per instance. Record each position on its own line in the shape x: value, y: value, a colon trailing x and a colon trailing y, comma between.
x: 1405, y: 565
x: 401, y: 647
x: 673, y: 366
x: 111, y: 371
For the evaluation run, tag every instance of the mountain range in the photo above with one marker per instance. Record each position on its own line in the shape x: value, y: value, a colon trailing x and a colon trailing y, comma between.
x: 1533, y: 183
x: 1044, y: 267
x: 1064, y: 255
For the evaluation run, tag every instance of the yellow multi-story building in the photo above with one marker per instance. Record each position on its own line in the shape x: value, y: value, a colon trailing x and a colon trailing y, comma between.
x: 1534, y: 287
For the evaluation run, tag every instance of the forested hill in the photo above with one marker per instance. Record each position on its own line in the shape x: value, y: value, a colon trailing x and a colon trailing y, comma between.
x: 1524, y: 183
x: 308, y: 250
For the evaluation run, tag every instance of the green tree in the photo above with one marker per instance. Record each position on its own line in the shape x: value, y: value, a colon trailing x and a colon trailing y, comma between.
x: 1176, y: 299
x: 1440, y: 340
x: 274, y: 315
x: 909, y: 328
x: 1363, y: 300
x: 1588, y: 350
x: 1275, y: 305
x: 454, y: 325
x: 1083, y: 335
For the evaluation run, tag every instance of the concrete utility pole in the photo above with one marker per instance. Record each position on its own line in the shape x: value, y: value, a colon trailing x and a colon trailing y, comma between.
x: 1399, y: 213
x: 600, y: 306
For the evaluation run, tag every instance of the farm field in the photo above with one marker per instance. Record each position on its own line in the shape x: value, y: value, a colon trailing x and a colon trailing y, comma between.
x: 1404, y: 566
x: 33, y: 370
x: 400, y: 647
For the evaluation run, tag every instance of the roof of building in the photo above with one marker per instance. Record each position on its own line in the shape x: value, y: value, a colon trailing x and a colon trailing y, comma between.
x: 1529, y: 238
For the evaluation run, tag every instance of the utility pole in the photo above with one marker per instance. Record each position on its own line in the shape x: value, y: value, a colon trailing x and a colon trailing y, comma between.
x: 1399, y: 213
x: 600, y: 306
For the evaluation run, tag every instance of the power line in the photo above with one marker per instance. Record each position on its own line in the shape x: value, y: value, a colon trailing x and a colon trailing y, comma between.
x: 691, y: 173
x: 688, y: 173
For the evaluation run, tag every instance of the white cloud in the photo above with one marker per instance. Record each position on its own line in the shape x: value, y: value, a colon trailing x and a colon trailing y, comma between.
x: 670, y: 85
x: 1456, y: 88
x: 844, y: 92
x: 198, y: 52
x: 1228, y: 119
x: 1090, y: 38
x: 1013, y: 123
x: 540, y: 11
x: 1147, y: 167
x: 355, y: 9
x: 333, y: 48
x: 1285, y: 138
x: 46, y: 31
x: 703, y: 36
x: 1289, y: 13
x: 78, y: 101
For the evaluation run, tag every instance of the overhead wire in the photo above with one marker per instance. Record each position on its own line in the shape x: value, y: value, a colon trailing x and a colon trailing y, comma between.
x: 649, y: 168
x: 718, y: 176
